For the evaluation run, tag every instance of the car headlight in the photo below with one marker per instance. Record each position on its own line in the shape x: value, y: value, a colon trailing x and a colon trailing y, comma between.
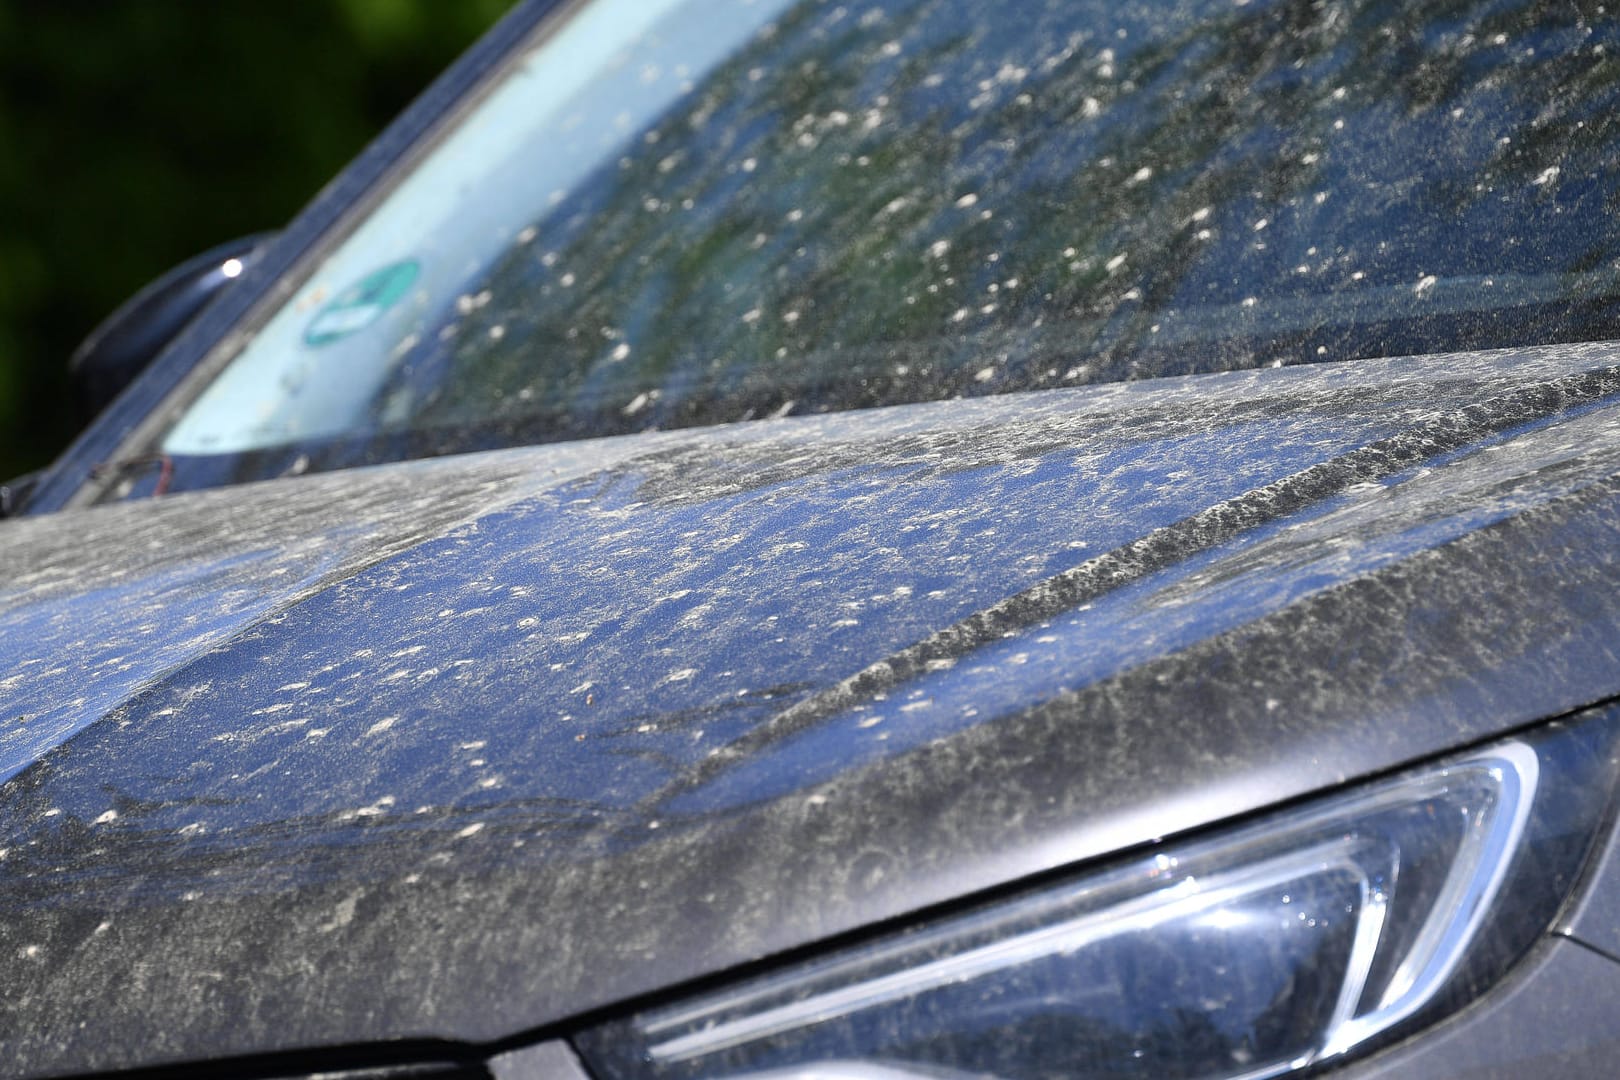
x: 1251, y: 953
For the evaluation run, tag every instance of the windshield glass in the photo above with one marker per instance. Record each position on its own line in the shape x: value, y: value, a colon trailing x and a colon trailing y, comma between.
x: 688, y: 212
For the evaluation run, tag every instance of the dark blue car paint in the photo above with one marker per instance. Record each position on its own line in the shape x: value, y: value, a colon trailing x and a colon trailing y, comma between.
x: 465, y: 749
x: 433, y: 759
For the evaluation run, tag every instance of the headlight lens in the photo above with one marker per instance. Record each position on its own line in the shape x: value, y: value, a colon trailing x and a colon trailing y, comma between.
x: 1250, y: 954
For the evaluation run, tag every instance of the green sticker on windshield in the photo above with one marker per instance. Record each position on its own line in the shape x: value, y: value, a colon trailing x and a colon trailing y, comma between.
x: 362, y: 303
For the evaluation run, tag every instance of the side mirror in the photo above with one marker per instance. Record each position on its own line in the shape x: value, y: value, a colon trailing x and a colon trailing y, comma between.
x: 128, y: 339
x: 14, y: 493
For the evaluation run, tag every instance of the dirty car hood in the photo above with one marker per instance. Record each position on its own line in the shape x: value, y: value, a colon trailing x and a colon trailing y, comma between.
x: 461, y: 749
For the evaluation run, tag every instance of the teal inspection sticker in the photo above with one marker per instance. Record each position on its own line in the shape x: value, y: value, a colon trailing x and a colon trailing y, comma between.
x: 362, y: 303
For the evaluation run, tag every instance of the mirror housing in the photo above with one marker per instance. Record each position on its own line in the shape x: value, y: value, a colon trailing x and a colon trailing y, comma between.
x: 132, y: 336
x: 14, y: 494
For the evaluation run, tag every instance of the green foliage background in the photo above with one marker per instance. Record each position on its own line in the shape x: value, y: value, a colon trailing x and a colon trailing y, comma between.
x: 135, y: 133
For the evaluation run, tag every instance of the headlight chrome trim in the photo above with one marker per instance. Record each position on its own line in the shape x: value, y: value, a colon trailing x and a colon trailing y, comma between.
x: 1440, y: 870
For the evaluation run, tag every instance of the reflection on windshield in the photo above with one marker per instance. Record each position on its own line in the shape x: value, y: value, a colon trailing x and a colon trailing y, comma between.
x: 719, y: 212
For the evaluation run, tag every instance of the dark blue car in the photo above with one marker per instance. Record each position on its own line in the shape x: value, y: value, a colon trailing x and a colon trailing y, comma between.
x: 885, y: 540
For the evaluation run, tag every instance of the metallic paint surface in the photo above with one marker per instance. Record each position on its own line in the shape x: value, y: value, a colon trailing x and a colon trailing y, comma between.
x: 461, y: 749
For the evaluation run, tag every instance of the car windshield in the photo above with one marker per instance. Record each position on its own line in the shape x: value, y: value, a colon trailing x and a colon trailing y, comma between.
x: 670, y: 213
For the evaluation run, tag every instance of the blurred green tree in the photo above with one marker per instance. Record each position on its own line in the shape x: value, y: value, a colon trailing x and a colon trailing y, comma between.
x: 134, y: 133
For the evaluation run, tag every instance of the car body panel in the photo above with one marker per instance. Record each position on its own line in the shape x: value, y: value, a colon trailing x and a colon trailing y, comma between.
x: 463, y: 749
x: 1594, y: 919
x: 1552, y: 1019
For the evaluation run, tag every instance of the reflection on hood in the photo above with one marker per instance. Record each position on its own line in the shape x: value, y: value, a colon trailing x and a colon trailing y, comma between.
x: 522, y: 714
